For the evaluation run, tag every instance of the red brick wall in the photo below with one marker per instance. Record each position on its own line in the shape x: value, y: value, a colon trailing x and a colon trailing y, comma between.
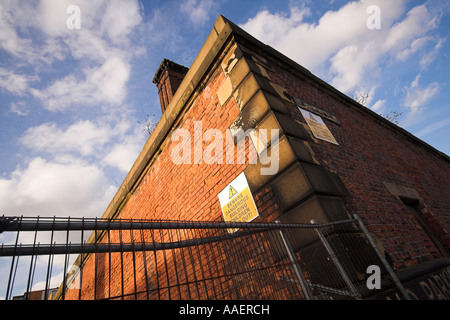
x: 369, y: 154
x: 186, y: 191
x: 172, y: 192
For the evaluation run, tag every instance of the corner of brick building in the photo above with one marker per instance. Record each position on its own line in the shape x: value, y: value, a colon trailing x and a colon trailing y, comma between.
x: 370, y: 172
x: 381, y: 166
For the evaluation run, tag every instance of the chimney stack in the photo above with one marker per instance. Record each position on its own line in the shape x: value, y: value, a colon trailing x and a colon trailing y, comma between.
x: 168, y: 78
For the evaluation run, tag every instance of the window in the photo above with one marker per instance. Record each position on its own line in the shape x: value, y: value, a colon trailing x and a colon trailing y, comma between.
x: 413, y: 205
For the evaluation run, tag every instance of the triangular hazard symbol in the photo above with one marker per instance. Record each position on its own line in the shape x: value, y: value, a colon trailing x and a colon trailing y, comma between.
x: 312, y: 118
x: 232, y: 192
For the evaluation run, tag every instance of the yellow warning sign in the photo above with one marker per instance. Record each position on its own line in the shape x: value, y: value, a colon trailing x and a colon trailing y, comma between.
x: 240, y: 209
x: 318, y: 127
x: 232, y: 192
x: 237, y: 202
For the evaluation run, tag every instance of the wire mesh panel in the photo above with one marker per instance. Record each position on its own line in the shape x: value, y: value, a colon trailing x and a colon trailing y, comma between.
x: 66, y: 258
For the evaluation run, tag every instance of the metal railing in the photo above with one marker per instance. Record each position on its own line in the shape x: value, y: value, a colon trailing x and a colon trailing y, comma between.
x: 147, y: 259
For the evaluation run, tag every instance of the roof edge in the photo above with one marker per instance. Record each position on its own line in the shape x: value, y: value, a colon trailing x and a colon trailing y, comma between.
x: 299, y: 68
x: 213, y: 44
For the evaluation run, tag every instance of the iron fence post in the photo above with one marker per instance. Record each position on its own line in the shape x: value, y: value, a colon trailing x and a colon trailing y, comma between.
x: 297, y: 269
x: 337, y: 263
x: 382, y: 258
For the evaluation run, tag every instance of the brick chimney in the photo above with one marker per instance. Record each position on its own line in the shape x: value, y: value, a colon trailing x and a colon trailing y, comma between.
x: 168, y: 78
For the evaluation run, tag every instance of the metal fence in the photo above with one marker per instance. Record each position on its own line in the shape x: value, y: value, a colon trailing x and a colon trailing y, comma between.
x: 81, y: 258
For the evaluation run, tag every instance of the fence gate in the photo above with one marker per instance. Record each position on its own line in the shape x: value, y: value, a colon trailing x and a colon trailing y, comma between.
x: 84, y: 258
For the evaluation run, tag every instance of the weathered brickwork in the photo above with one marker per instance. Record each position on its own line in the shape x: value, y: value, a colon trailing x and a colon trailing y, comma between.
x: 370, y: 154
x: 170, y: 191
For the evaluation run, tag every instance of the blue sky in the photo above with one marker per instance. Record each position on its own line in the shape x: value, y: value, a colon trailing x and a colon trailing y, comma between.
x: 73, y: 102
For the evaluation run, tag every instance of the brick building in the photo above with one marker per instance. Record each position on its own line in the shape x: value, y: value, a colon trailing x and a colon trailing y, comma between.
x: 354, y: 162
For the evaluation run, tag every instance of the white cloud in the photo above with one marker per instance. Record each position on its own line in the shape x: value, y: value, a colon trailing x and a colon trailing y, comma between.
x: 378, y: 106
x: 119, y: 19
x: 102, y: 84
x: 435, y: 126
x: 50, y: 17
x: 50, y: 188
x: 25, y: 16
x: 123, y: 155
x: 417, y: 23
x: 110, y: 142
x: 429, y: 57
x: 54, y: 281
x: 311, y: 44
x: 17, y: 84
x: 417, y: 96
x: 87, y: 46
x: 198, y: 11
x: 111, y: 19
x: 20, y: 108
x: 351, y: 65
x: 83, y: 137
x: 340, y: 47
x: 415, y: 45
x: 36, y: 34
x: 10, y: 41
